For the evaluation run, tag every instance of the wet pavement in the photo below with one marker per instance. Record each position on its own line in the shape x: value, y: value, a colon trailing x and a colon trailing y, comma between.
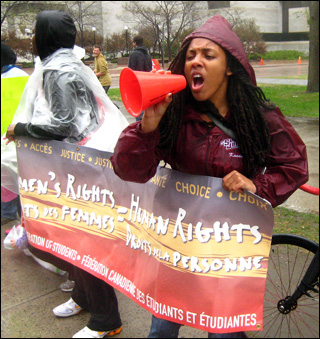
x: 30, y: 292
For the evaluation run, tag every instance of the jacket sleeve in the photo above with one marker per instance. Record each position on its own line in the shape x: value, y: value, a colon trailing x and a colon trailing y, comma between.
x: 66, y: 109
x: 287, y: 164
x: 135, y: 156
x: 34, y: 131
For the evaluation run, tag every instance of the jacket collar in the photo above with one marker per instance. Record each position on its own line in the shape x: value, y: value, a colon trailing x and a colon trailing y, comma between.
x: 194, y: 109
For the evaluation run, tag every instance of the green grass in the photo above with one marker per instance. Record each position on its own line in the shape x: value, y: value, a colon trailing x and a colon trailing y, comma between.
x: 293, y: 222
x: 284, y: 55
x: 293, y: 100
x: 114, y: 94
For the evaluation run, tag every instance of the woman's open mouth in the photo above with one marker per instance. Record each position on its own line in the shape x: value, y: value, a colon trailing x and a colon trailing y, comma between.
x: 197, y: 82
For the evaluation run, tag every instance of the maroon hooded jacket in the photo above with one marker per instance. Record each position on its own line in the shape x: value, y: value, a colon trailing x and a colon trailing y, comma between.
x: 136, y: 155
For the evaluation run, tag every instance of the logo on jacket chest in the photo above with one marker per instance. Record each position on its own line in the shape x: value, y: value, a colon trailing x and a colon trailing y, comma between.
x: 230, y: 145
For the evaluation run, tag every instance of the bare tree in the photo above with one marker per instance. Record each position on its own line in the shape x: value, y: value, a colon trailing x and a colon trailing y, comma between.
x: 313, y: 71
x: 246, y: 29
x: 19, y: 15
x: 84, y: 15
x: 146, y: 17
x: 151, y: 39
x: 115, y: 43
x: 168, y: 18
x: 90, y: 39
x: 8, y: 9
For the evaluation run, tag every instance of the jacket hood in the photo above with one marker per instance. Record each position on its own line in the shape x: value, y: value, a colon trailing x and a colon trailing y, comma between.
x: 219, y: 30
x: 142, y: 49
x: 8, y: 56
x: 54, y: 30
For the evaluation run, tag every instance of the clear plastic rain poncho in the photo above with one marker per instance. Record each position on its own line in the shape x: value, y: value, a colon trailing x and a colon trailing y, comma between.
x: 64, y: 97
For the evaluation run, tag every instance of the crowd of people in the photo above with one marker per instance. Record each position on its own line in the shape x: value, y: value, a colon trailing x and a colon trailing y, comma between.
x: 268, y: 159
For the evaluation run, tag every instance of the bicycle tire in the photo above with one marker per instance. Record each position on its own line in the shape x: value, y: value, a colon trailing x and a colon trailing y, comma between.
x: 290, y: 256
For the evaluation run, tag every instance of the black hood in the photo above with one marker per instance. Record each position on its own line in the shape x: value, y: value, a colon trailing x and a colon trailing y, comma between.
x: 142, y: 49
x: 54, y: 30
x: 8, y: 56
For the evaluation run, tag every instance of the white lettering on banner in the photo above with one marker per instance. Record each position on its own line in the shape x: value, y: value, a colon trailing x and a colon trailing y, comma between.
x: 32, y: 184
x: 137, y: 243
x: 205, y: 265
x: 169, y: 311
x: 144, y: 217
x: 217, y: 232
x: 123, y: 282
x: 242, y: 320
x: 95, y: 193
x: 53, y: 246
x: 64, y: 250
x: 77, y: 214
x: 193, y: 263
x: 204, y: 235
x: 94, y: 265
x: 35, y: 239
x: 31, y: 211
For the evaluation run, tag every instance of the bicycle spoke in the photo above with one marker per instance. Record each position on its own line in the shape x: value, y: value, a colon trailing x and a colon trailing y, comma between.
x: 300, y: 319
x: 289, y: 259
x: 280, y: 274
x: 295, y: 321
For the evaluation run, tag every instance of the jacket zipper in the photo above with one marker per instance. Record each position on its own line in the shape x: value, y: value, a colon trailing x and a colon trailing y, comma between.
x: 207, y: 155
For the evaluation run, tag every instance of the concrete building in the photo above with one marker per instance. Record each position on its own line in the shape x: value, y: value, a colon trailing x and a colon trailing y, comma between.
x: 283, y: 24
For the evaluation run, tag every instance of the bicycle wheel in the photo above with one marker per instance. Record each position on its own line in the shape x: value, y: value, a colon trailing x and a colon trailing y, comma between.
x: 289, y: 259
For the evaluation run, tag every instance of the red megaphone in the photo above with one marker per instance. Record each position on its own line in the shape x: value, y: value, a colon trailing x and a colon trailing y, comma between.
x: 140, y: 90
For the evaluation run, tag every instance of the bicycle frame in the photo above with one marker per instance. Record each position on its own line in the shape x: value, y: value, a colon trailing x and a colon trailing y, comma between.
x: 310, y: 189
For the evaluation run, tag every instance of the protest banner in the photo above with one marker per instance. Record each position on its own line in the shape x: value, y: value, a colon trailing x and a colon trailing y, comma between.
x: 180, y: 245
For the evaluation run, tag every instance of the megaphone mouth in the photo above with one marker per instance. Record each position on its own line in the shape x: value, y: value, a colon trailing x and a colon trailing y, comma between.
x: 130, y: 92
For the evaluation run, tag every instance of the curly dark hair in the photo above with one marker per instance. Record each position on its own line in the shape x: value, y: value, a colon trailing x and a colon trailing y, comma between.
x: 246, y: 118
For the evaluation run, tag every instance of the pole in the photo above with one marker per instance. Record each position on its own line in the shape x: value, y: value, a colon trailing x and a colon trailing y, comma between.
x: 162, y: 46
x: 127, y: 41
x: 126, y: 29
x: 94, y: 35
